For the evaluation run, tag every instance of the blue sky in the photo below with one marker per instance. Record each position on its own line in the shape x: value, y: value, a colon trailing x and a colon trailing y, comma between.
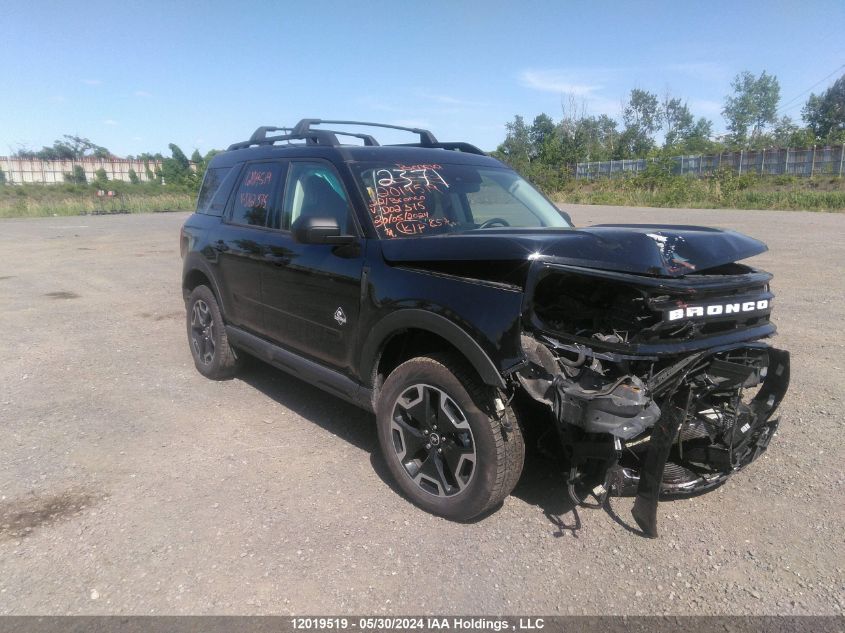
x: 135, y: 76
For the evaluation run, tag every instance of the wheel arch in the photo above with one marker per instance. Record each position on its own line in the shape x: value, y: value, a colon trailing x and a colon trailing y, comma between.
x: 196, y: 274
x: 410, y: 332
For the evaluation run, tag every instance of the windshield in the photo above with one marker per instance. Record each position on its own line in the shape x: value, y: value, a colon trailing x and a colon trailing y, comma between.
x: 421, y: 200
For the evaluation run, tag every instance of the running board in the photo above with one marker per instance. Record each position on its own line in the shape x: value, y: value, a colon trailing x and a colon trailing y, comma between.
x: 326, y: 379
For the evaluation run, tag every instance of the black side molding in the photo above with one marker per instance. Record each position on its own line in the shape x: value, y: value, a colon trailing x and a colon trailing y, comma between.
x: 408, y: 318
x: 326, y: 379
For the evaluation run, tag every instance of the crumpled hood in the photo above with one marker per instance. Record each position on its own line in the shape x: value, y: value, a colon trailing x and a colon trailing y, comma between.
x: 659, y: 250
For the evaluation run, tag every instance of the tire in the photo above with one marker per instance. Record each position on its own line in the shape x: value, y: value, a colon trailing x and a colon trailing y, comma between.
x: 213, y: 356
x: 436, y: 402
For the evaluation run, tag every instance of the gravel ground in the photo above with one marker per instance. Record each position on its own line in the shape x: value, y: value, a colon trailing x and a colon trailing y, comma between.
x: 129, y: 484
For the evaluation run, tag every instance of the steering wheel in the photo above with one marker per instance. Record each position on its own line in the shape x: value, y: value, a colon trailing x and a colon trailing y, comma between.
x: 492, y: 221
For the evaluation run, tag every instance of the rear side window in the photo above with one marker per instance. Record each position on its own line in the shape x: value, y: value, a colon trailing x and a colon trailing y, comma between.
x: 210, y: 185
x: 254, y: 196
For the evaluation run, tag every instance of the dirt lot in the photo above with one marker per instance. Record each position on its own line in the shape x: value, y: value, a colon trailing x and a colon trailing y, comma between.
x: 129, y: 484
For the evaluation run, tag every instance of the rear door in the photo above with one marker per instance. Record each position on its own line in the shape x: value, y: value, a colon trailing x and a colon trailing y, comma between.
x: 243, y: 242
x: 311, y: 292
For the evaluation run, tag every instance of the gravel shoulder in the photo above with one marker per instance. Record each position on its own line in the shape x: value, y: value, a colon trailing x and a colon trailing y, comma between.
x: 129, y: 484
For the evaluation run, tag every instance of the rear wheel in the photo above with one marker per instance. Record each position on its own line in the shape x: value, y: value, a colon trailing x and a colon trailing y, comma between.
x: 213, y: 356
x: 445, y: 444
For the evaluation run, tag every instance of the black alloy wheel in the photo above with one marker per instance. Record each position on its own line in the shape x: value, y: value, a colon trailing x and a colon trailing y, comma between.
x: 452, y: 444
x: 433, y: 440
x: 213, y: 356
x: 202, y: 332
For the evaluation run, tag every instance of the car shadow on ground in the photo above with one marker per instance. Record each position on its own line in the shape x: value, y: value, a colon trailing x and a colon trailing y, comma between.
x: 543, y: 480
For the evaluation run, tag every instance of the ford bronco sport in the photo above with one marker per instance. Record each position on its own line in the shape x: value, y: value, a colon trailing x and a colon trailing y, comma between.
x: 432, y: 285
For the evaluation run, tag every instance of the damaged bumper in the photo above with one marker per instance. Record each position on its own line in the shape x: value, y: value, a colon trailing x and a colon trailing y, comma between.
x: 747, y: 428
x: 677, y: 427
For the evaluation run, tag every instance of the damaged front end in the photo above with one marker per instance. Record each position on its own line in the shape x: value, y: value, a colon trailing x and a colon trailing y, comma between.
x: 659, y: 386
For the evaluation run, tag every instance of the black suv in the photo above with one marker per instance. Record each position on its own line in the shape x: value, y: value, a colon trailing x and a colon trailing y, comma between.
x: 432, y: 285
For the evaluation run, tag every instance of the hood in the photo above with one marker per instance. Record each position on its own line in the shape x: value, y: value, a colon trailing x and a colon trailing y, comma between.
x: 659, y: 250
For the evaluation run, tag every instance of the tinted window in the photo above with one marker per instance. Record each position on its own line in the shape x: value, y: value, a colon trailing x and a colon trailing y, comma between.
x: 254, y: 196
x: 210, y: 185
x: 314, y: 190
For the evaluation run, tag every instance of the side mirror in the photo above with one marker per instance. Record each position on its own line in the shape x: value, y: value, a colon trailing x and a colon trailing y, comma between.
x: 316, y: 230
x: 566, y: 216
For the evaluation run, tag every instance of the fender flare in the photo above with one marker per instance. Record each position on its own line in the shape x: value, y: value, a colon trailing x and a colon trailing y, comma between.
x: 193, y: 262
x: 411, y: 318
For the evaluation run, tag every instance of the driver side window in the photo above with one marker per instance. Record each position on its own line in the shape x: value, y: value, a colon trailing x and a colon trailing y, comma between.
x: 314, y: 190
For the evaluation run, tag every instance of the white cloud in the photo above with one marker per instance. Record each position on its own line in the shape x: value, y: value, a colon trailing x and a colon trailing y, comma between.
x: 583, y: 86
x: 110, y: 122
x: 559, y: 81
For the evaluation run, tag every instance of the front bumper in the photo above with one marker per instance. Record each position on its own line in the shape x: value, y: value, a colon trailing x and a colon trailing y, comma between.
x: 650, y: 483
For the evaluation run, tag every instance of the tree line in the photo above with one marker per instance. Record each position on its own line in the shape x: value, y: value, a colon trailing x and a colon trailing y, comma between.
x: 751, y: 112
x: 176, y: 170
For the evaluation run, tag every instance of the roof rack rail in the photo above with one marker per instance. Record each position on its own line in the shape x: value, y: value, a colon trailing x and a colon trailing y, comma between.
x: 427, y: 139
x: 303, y: 131
x: 459, y: 146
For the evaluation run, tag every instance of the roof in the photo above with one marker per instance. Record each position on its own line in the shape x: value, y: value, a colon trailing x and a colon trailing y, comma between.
x: 304, y: 140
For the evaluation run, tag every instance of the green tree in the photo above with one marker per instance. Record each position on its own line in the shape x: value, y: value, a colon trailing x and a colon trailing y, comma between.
x: 2, y: 177
x: 603, y: 137
x: 825, y: 113
x: 200, y: 164
x: 76, y: 176
x: 752, y: 107
x: 698, y: 141
x: 151, y: 177
x: 176, y: 170
x: 641, y: 116
x: 543, y: 141
x: 677, y: 120
x: 787, y: 133
x: 133, y: 176
x: 517, y: 147
x: 101, y: 178
x: 682, y: 132
x: 69, y: 147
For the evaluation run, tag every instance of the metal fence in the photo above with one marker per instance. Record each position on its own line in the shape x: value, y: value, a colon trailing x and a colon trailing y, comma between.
x: 33, y: 170
x: 817, y: 161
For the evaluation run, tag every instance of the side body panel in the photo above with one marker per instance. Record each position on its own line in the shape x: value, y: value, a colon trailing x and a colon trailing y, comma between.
x: 486, y: 315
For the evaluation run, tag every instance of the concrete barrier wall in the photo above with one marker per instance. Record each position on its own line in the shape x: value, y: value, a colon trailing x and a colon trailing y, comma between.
x: 32, y: 170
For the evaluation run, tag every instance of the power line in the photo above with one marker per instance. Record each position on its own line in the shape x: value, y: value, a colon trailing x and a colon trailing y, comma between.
x: 786, y: 106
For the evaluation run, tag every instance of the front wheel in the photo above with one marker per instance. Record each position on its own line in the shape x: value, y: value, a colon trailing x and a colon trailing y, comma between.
x: 446, y: 445
x: 213, y: 356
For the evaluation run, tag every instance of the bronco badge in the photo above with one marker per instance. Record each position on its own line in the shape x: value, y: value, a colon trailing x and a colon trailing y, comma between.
x: 340, y: 316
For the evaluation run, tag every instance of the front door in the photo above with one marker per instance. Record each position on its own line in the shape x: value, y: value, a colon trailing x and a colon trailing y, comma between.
x: 311, y: 292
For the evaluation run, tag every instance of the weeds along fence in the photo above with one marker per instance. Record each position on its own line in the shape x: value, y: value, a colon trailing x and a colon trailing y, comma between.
x: 816, y: 161
x: 20, y: 171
